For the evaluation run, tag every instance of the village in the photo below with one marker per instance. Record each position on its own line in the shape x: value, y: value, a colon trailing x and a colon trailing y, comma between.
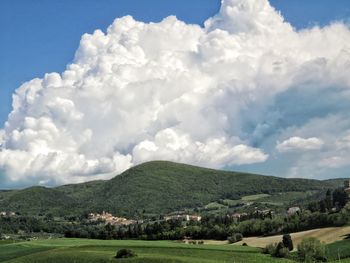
x: 108, y: 218
x: 111, y: 219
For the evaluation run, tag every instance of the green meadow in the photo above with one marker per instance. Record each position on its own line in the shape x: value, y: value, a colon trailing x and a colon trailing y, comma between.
x: 84, y: 250
x: 339, y: 250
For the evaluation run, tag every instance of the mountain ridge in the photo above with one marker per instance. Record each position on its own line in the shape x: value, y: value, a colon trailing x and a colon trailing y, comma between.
x: 155, y: 187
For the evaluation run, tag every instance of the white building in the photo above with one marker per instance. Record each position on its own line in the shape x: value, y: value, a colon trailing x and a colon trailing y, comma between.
x: 293, y: 210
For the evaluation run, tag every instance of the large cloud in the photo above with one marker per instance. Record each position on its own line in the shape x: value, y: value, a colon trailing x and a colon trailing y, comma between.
x: 216, y: 96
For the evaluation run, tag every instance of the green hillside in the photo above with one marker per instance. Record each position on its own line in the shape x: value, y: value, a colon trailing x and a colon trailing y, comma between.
x: 153, y: 187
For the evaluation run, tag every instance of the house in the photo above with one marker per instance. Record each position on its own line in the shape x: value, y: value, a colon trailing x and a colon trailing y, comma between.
x: 263, y: 213
x: 293, y: 210
x: 239, y: 216
x: 193, y: 218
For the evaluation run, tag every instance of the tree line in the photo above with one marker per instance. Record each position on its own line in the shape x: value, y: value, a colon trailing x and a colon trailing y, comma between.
x: 219, y: 227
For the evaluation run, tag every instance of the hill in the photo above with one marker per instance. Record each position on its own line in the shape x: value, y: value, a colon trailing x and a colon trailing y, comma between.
x: 153, y: 188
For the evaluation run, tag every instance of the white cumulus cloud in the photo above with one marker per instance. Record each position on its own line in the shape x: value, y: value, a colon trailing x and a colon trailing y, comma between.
x: 218, y: 96
x: 299, y: 144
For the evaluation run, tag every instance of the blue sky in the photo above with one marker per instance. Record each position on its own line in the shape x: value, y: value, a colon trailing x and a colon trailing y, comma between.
x: 42, y: 36
x: 244, y: 91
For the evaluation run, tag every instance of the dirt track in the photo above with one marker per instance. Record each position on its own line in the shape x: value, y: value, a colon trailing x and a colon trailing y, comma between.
x: 327, y: 235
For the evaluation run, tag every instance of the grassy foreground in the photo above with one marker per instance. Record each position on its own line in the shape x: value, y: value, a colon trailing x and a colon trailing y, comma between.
x: 84, y: 250
x: 339, y: 251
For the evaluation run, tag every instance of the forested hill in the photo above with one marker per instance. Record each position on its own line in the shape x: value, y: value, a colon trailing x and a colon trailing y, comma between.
x: 153, y: 187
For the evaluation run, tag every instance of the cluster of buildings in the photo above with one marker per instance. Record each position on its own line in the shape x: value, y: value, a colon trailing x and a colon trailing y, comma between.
x: 110, y: 219
x: 239, y: 216
x: 183, y: 217
x: 256, y: 214
x: 7, y: 213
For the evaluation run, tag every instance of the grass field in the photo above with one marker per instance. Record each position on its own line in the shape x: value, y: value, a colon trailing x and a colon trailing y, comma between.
x: 281, y: 200
x: 84, y: 250
x: 254, y: 197
x: 339, y: 250
x: 102, y: 251
x: 327, y: 235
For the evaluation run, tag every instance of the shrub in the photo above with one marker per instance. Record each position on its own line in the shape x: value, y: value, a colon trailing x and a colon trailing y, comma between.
x: 270, y: 249
x: 125, y: 253
x: 311, y: 249
x: 281, y: 251
x: 288, y: 242
x: 236, y: 237
x: 276, y: 250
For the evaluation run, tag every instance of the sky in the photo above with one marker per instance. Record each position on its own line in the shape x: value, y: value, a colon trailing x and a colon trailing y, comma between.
x: 289, y: 119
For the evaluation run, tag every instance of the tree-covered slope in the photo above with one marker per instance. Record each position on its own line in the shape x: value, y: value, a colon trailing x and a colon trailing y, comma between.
x: 36, y: 200
x: 166, y: 186
x: 153, y: 187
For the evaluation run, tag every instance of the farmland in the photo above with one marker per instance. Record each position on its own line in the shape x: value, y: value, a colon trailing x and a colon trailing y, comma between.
x: 327, y: 235
x: 84, y: 250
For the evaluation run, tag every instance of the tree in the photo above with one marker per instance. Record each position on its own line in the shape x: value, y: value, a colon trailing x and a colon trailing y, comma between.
x: 340, y: 197
x: 311, y: 249
x: 236, y: 237
x: 314, y: 206
x: 323, y: 206
x: 288, y: 242
x: 279, y: 250
x: 125, y: 253
x: 270, y: 249
x: 49, y: 217
x: 328, y: 200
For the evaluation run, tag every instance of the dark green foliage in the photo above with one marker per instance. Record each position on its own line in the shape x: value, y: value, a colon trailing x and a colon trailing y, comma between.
x: 281, y: 251
x: 329, y: 200
x: 125, y: 253
x: 151, y: 188
x: 28, y: 224
x: 276, y: 250
x: 336, y: 199
x: 311, y: 250
x: 288, y: 242
x: 340, y: 197
x: 236, y: 237
x: 270, y: 249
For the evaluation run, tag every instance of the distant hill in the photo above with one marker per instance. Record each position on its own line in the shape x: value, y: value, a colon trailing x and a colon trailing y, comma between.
x: 154, y: 187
